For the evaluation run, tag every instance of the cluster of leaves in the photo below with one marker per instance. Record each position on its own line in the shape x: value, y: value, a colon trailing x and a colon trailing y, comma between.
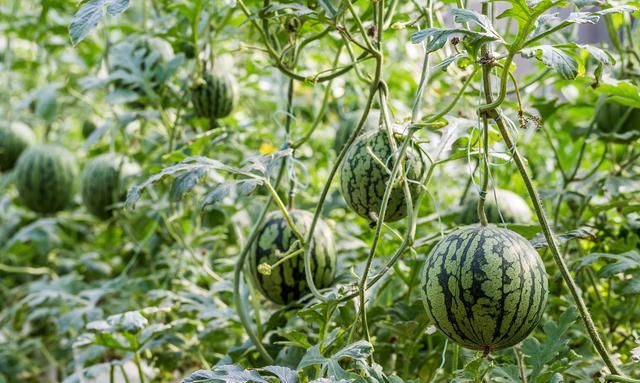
x: 148, y: 294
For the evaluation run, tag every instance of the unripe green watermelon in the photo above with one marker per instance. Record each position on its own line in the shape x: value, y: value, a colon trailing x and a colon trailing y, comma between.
x: 363, y: 178
x: 287, y: 282
x: 214, y: 96
x: 615, y: 118
x: 46, y: 178
x: 14, y: 139
x: 349, y: 124
x: 485, y: 288
x: 514, y: 208
x: 103, y: 183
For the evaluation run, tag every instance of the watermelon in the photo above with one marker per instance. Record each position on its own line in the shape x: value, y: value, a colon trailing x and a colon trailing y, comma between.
x: 14, y: 139
x: 514, y: 209
x: 46, y: 178
x: 618, y: 122
x: 485, y: 288
x: 349, y: 124
x: 286, y: 282
x: 214, y: 96
x: 363, y: 178
x: 103, y: 183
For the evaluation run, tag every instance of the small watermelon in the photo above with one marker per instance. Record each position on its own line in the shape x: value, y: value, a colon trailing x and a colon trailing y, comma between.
x: 363, y: 176
x: 14, y: 139
x: 485, y: 288
x: 46, y: 178
x: 286, y: 282
x: 617, y: 122
x: 214, y: 96
x: 103, y: 183
x: 514, y: 209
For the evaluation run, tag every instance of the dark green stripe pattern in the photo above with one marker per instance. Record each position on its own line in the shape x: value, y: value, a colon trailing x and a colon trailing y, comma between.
x: 100, y: 185
x: 287, y: 281
x: 514, y: 209
x: 14, y: 139
x: 485, y: 288
x: 215, y: 96
x: 365, y: 173
x: 46, y: 178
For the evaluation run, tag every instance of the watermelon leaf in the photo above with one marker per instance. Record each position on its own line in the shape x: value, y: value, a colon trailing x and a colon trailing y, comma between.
x: 555, y: 345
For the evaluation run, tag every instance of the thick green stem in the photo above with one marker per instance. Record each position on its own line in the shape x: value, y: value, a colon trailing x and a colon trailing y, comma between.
x: 546, y: 229
x: 325, y: 191
x: 136, y: 356
x: 237, y: 273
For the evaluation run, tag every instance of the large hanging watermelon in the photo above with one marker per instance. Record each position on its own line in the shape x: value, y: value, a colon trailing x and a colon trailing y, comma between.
x: 286, y: 282
x: 365, y: 174
x: 499, y: 203
x: 14, y: 139
x: 484, y: 287
x: 46, y: 178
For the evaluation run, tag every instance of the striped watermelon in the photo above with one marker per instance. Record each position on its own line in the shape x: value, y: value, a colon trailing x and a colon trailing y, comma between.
x: 348, y: 125
x: 287, y: 282
x: 46, y: 178
x: 514, y: 209
x: 363, y: 178
x: 214, y: 96
x: 102, y: 183
x: 14, y: 139
x: 485, y: 288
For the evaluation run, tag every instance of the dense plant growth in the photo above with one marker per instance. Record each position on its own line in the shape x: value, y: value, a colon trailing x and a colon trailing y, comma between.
x: 319, y: 191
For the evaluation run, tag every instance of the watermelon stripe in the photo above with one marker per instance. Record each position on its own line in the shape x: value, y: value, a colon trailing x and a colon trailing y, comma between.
x: 100, y: 185
x: 214, y: 98
x: 364, y: 180
x: 287, y: 281
x: 484, y: 288
x: 45, y: 177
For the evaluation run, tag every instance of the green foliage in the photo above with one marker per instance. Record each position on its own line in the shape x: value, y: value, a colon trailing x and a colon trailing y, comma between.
x: 162, y: 290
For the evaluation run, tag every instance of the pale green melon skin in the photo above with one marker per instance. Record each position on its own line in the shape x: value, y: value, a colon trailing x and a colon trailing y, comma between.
x: 499, y: 205
x: 363, y: 179
x: 287, y: 282
x: 485, y: 288
x: 46, y: 177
